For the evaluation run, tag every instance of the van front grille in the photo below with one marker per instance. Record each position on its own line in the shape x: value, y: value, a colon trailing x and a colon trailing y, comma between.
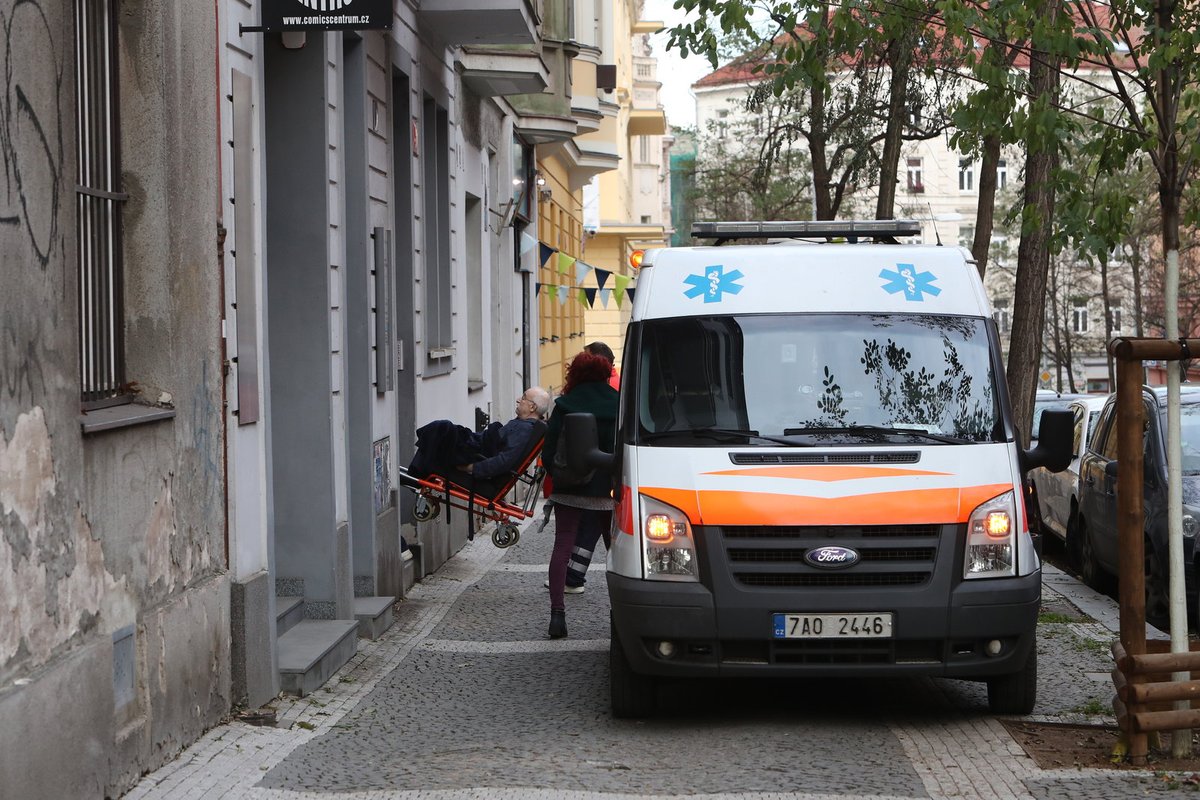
x: 906, y: 457
x: 769, y: 556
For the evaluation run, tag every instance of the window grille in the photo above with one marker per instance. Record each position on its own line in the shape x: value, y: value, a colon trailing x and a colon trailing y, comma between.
x: 99, y: 200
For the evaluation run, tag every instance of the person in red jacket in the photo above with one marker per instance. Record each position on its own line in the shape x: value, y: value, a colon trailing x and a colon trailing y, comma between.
x: 599, y: 348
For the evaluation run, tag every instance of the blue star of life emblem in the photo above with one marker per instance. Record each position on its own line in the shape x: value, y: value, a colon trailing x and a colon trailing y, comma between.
x: 915, y: 285
x: 713, y: 284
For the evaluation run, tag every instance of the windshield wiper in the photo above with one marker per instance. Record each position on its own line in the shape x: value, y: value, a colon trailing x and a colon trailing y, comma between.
x: 878, y: 430
x: 722, y: 433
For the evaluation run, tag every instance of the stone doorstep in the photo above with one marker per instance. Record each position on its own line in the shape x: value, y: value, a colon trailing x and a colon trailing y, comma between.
x: 312, y: 651
x: 288, y: 611
x: 374, y: 615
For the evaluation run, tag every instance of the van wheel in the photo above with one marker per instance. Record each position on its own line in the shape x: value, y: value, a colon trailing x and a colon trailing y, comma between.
x: 631, y: 694
x: 1015, y: 693
x: 1089, y: 567
x: 1158, y: 601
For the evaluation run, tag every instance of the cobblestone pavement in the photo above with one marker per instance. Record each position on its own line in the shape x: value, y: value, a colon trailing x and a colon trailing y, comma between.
x: 465, y: 698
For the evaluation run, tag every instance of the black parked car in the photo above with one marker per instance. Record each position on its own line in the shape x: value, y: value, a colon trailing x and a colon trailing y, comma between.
x: 1097, y: 522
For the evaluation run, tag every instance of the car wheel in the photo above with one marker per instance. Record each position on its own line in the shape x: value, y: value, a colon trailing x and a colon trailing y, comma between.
x: 1071, y: 542
x: 1089, y: 566
x: 631, y: 694
x: 1015, y: 693
x: 1158, y: 600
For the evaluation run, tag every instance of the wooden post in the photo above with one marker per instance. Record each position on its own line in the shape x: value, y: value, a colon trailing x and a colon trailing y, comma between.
x: 1130, y: 516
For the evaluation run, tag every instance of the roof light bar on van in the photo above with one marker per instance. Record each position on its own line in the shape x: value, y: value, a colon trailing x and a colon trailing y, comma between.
x: 808, y: 229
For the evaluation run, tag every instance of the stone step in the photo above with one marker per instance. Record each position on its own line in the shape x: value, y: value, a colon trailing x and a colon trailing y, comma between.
x: 312, y: 650
x: 374, y: 615
x: 288, y: 611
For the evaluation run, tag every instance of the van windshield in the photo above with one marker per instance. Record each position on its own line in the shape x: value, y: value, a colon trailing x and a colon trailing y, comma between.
x: 805, y: 379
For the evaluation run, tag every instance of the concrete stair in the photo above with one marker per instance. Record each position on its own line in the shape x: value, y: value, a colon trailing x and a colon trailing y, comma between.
x: 374, y: 615
x: 288, y: 611
x: 312, y: 650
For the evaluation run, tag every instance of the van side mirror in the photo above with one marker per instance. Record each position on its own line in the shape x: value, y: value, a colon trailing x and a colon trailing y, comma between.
x: 1055, y: 437
x: 583, y: 452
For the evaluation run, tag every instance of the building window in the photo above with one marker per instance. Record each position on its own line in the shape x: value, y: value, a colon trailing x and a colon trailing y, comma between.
x: 1079, y: 316
x: 645, y: 219
x: 1001, y: 174
x: 644, y: 149
x: 966, y: 236
x: 966, y: 175
x: 916, y: 177
x: 1000, y: 314
x: 722, y: 123
x: 98, y: 203
x: 1115, y: 319
x: 915, y: 120
x: 439, y: 335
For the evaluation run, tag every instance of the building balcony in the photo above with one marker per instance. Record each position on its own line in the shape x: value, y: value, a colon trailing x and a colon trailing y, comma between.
x: 466, y: 22
x: 547, y: 116
x: 647, y: 122
x: 587, y: 157
x: 501, y: 70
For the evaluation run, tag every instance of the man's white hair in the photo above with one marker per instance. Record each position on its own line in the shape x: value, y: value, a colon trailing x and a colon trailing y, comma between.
x: 540, y: 399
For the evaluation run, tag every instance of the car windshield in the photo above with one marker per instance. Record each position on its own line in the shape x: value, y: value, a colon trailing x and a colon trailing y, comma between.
x: 804, y: 379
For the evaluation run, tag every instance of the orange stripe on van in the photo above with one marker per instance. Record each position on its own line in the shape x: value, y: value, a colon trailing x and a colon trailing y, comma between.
x: 912, y: 506
x: 825, y: 472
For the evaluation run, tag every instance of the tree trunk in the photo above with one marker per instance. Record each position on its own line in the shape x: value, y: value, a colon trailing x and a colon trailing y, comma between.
x: 1033, y: 254
x: 1108, y: 331
x: 985, y: 215
x: 899, y: 57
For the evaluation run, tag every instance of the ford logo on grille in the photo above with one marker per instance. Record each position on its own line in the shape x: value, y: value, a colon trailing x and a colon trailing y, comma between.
x: 832, y: 557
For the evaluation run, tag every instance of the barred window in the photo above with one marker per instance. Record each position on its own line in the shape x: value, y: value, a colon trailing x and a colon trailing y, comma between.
x: 99, y: 200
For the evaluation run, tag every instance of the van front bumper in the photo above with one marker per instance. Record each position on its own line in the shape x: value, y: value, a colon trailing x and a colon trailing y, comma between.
x: 931, y: 634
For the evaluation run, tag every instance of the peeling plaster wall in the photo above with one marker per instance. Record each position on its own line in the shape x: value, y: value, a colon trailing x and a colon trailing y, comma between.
x: 122, y: 530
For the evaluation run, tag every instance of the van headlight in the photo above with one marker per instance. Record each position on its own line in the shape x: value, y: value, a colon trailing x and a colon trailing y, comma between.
x: 992, y: 538
x: 670, y: 547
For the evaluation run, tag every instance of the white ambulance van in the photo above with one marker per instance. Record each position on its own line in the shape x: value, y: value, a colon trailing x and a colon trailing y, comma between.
x: 816, y: 470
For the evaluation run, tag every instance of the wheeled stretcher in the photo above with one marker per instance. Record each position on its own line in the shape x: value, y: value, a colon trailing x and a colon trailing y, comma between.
x: 484, y: 501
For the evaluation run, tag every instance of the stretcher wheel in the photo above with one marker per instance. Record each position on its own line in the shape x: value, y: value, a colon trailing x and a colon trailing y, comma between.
x: 506, y: 535
x: 427, y: 508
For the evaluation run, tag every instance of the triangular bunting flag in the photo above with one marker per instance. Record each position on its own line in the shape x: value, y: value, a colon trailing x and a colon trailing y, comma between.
x: 581, y: 271
x: 622, y: 281
x: 619, y: 294
x: 562, y: 295
x: 602, y: 277
x: 582, y: 296
x: 551, y: 290
x: 630, y: 292
x: 564, y: 263
x: 527, y: 243
x: 537, y: 289
x: 604, y: 295
x: 590, y: 296
x: 544, y: 253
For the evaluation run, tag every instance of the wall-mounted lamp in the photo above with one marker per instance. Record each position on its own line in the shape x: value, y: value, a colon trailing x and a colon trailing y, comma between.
x: 545, y: 194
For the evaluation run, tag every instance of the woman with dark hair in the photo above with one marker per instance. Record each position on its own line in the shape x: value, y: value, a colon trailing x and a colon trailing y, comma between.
x: 582, y: 513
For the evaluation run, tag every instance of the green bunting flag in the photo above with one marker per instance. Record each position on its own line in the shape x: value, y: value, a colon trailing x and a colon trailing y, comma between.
x: 564, y: 263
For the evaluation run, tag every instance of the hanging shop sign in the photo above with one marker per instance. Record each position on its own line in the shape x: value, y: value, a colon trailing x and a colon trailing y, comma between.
x: 325, y: 15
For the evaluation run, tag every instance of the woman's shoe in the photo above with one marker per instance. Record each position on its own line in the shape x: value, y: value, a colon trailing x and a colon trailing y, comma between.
x: 558, y: 624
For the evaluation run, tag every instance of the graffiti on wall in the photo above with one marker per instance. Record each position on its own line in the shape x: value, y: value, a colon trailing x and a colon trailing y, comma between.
x: 31, y: 131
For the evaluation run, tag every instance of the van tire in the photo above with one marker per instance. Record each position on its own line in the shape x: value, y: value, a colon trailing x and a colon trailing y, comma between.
x: 1015, y: 693
x: 632, y: 695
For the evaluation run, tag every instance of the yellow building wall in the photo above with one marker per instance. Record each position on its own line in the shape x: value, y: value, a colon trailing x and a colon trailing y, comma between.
x: 560, y: 226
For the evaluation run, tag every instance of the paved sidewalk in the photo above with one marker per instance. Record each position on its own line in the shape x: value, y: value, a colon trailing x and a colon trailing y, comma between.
x: 406, y: 711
